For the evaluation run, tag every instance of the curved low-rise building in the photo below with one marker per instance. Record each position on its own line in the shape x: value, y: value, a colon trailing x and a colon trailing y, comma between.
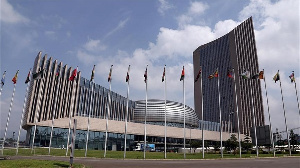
x: 156, y: 113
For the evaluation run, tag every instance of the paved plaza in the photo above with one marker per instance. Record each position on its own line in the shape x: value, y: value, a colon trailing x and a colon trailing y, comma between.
x: 283, y: 162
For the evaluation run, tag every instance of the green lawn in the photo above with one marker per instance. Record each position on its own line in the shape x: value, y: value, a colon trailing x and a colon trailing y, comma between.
x: 35, y: 163
x: 130, y: 154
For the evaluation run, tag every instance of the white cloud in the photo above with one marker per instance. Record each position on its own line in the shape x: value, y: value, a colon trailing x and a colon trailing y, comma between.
x: 56, y: 21
x: 89, y: 53
x: 277, y: 38
x: 184, y: 20
x: 197, y: 8
x: 121, y: 24
x: 86, y: 58
x: 172, y: 47
x: 255, y: 9
x: 68, y: 34
x: 9, y: 15
x: 179, y: 43
x: 164, y: 6
x: 223, y: 27
x: 50, y: 34
x: 278, y: 35
x: 94, y: 45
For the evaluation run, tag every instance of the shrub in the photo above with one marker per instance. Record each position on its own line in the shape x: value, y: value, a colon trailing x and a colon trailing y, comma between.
x: 295, y: 152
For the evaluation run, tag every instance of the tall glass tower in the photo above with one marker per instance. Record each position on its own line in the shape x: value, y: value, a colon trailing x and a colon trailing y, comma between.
x: 235, y: 50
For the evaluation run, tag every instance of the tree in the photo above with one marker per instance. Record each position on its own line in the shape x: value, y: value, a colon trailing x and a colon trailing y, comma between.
x: 206, y: 145
x: 195, y: 144
x: 246, y: 146
x: 216, y: 145
x: 293, y: 140
x: 231, y: 144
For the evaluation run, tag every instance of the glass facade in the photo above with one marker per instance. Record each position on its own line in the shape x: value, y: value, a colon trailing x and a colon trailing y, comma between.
x: 217, y: 57
x: 209, y: 126
x: 115, y: 141
x: 235, y: 51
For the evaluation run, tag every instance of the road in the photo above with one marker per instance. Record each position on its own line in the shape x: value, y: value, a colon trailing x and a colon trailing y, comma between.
x: 282, y: 162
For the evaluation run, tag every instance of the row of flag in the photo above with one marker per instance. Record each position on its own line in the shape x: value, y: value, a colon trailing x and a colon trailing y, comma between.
x: 245, y: 75
x: 38, y: 75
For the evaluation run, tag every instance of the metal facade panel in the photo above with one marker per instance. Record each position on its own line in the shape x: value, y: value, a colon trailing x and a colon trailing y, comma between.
x: 237, y: 50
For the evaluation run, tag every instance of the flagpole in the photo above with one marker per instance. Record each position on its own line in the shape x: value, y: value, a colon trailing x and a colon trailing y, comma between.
x: 22, y: 117
x: 271, y: 134
x: 37, y: 113
x: 90, y: 111
x: 72, y: 148
x: 88, y: 127
x: 145, y: 129
x: 68, y: 141
x: 126, y: 116
x: 297, y: 97
x: 221, y: 148
x: 202, y: 123
x: 9, y: 111
x: 237, y: 114
x: 53, y: 112
x: 184, y: 118
x: 254, y: 118
x: 108, y: 111
x: 1, y: 89
x: 165, y: 90
x: 70, y: 111
x: 286, y: 128
x: 2, y: 84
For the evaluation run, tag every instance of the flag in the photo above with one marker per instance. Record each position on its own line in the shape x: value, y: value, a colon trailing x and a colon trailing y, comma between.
x: 164, y: 74
x: 28, y: 77
x: 230, y: 73
x: 261, y: 75
x: 214, y: 75
x: 292, y: 77
x: 3, y: 78
x: 198, y: 75
x: 127, y: 76
x: 38, y: 75
x: 245, y: 75
x: 145, y: 75
x: 57, y: 72
x: 74, y: 74
x: 15, y: 78
x: 182, y: 74
x: 276, y: 77
x: 109, y: 75
x: 93, y: 73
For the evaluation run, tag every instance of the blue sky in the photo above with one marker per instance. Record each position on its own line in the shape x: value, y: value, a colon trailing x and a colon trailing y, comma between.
x: 157, y: 32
